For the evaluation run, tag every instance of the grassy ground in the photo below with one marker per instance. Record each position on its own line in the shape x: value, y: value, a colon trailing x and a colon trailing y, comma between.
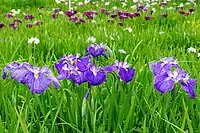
x: 113, y: 106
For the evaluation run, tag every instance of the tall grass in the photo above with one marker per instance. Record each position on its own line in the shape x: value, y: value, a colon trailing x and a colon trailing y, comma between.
x: 113, y: 106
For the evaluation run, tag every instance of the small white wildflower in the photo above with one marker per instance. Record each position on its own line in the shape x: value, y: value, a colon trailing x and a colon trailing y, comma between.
x: 161, y: 32
x: 122, y: 51
x: 135, y: 1
x: 181, y: 5
x: 97, y: 5
x: 34, y: 40
x: 191, y: 50
x: 107, y: 3
x: 94, y: 22
x: 129, y: 29
x: 198, y: 55
x: 170, y: 8
x: 153, y: 10
x: 124, y: 4
x: 187, y: 3
x: 58, y: 1
x: 114, y: 8
x: 133, y: 7
x: 91, y: 39
x: 153, y: 4
x: 80, y: 3
x: 15, y: 12
x: 61, y: 12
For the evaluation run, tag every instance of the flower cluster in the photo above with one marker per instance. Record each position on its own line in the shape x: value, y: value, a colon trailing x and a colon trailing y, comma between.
x: 167, y: 73
x: 36, y: 78
x: 80, y: 69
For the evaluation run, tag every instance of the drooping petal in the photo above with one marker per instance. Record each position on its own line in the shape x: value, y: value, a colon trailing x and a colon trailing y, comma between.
x: 19, y: 74
x: 189, y: 86
x: 109, y: 69
x: 126, y: 74
x: 163, y: 84
x: 9, y: 67
x: 83, y: 63
x: 78, y: 77
x: 50, y: 76
x: 37, y: 85
x: 97, y: 79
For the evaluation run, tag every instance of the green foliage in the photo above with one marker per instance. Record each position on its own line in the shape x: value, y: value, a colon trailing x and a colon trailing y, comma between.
x: 113, y: 106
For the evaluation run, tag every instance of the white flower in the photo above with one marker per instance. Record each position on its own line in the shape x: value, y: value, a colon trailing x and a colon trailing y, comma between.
x: 161, y: 32
x: 58, y: 1
x: 114, y: 8
x: 122, y: 51
x: 133, y: 7
x: 170, y: 8
x: 91, y: 39
x: 181, y: 5
x: 14, y: 12
x: 94, y: 22
x: 191, y: 50
x: 34, y: 40
x: 135, y: 1
x: 124, y: 4
x: 129, y: 29
x: 107, y: 3
x: 187, y: 3
x: 61, y: 12
x: 87, y: 1
x: 153, y: 4
x: 153, y: 10
x: 198, y: 55
x: 80, y: 3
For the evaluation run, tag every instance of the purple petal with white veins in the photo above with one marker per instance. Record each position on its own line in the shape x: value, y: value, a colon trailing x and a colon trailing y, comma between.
x: 189, y: 86
x: 97, y: 79
x: 163, y: 84
x: 37, y: 85
x: 126, y: 74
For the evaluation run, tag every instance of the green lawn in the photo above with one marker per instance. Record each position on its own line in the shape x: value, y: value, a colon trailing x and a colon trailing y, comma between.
x: 112, y: 106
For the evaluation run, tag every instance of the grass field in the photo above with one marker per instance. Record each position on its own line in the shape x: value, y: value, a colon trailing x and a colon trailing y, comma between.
x: 113, y: 106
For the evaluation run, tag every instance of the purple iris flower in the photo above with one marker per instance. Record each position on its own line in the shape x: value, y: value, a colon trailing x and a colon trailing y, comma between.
x: 17, y: 20
x: 166, y: 81
x: 90, y: 14
x: 29, y: 25
x: 95, y: 76
x: 9, y: 67
x: 125, y: 73
x: 39, y: 22
x: 96, y: 50
x: 13, y: 25
x: 9, y: 15
x: 74, y: 19
x: 120, y: 23
x: 191, y: 10
x: 73, y: 68
x: 165, y: 64
x: 54, y: 15
x: 1, y: 25
x: 29, y: 17
x: 167, y: 73
x: 36, y: 78
x: 70, y: 13
x: 148, y: 18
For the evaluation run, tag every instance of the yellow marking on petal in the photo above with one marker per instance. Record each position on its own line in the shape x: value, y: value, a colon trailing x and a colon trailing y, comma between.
x: 36, y: 75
